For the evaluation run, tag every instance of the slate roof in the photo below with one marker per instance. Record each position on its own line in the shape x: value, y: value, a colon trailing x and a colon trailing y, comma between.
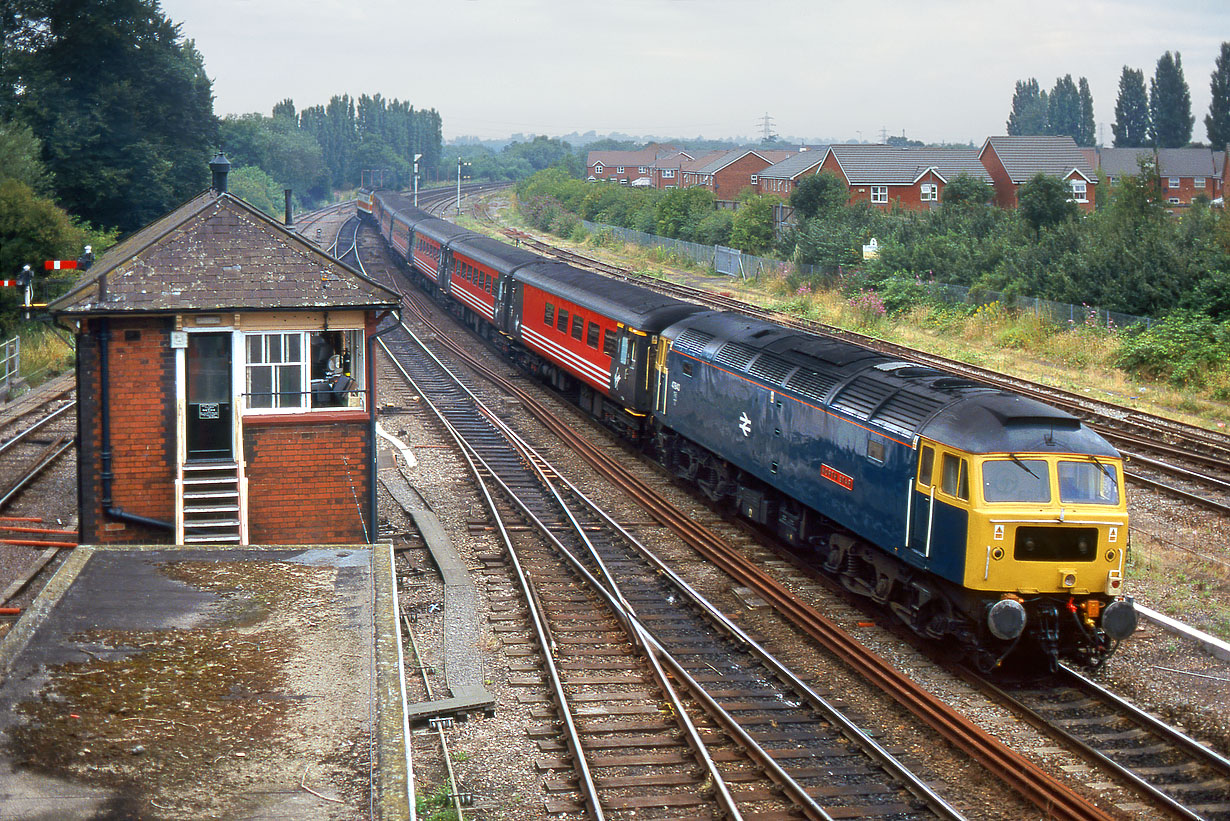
x: 792, y: 166
x: 893, y: 165
x: 1122, y: 162
x: 1185, y: 162
x: 217, y: 253
x: 1026, y: 157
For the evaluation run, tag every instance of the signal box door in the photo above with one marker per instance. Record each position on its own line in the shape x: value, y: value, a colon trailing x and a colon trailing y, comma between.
x: 209, y: 396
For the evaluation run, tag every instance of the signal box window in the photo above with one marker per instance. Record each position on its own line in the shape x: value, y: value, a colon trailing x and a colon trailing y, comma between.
x: 1016, y: 480
x: 561, y: 321
x: 954, y: 479
x: 548, y: 315
x: 591, y: 338
x: 926, y: 465
x: 578, y: 327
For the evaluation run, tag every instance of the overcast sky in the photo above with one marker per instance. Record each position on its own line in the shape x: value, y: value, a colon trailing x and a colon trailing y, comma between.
x: 941, y: 70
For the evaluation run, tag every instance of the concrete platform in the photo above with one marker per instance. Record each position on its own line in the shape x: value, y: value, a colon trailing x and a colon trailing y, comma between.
x: 160, y: 682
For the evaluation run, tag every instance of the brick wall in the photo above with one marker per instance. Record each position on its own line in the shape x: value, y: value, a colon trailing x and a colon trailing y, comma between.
x: 731, y: 180
x: 142, y: 405
x: 307, y: 481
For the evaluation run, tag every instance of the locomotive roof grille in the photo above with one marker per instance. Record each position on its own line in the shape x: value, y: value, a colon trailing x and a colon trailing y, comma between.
x: 862, y: 396
x: 734, y: 355
x: 771, y: 368
x: 692, y: 342
x: 811, y: 384
x: 904, y: 412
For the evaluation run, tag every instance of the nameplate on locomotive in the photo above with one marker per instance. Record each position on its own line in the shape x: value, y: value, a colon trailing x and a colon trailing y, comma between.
x: 834, y: 475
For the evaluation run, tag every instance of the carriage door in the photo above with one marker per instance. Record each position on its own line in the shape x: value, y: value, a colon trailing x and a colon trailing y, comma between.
x: 208, y: 371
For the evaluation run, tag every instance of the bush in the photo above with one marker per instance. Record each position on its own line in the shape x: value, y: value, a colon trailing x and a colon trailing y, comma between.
x: 1186, y: 349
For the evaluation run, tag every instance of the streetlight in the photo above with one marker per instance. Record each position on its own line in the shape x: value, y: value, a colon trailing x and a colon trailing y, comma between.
x: 459, y: 164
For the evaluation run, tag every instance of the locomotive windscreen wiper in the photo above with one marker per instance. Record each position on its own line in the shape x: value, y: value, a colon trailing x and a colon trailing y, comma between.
x: 1104, y: 468
x: 1023, y: 466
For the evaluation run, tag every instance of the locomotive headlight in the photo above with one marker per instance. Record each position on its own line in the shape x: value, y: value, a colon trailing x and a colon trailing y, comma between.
x: 1067, y: 578
x: 1006, y: 619
x: 1119, y: 619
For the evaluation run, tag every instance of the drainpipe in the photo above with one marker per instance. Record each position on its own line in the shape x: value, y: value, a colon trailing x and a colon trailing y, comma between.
x: 371, y: 409
x: 104, y: 412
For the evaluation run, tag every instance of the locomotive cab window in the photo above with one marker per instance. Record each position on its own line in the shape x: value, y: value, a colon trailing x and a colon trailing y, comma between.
x: 686, y: 367
x: 1016, y: 480
x: 1088, y: 483
x: 875, y: 450
x: 926, y: 466
x: 954, y: 476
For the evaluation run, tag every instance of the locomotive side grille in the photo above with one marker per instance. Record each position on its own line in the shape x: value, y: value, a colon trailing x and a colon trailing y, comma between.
x: 770, y: 368
x: 811, y: 384
x: 861, y: 396
x: 734, y: 355
x: 692, y: 342
x: 904, y: 412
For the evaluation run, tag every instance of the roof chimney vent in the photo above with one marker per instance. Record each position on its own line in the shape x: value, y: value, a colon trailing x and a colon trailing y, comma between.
x: 219, y: 165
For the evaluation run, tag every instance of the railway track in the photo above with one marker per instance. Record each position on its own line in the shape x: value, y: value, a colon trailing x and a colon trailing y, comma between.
x: 1182, y: 777
x: 1021, y: 774
x: 1167, y: 456
x: 33, y: 434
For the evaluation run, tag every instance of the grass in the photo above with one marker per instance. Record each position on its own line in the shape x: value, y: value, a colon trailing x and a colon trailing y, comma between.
x: 1182, y: 584
x: 44, y: 354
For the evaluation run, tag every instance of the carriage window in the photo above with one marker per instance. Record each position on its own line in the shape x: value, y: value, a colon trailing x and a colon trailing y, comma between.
x: 1016, y: 480
x: 1088, y: 483
x: 610, y: 343
x: 578, y: 327
x: 548, y: 315
x: 591, y: 338
x: 955, y: 476
x: 926, y: 462
x: 561, y: 321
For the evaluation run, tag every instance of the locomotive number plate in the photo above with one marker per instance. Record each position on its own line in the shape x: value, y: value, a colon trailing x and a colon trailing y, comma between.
x: 836, y: 476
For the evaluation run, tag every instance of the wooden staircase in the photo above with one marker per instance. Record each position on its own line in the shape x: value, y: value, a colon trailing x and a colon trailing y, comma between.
x: 211, y: 503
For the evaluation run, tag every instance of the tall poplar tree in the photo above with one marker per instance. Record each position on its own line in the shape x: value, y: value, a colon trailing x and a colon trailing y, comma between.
x: 1217, y: 123
x: 1029, y: 110
x: 1170, y: 104
x: 1088, y: 132
x: 1064, y: 108
x: 1131, y: 127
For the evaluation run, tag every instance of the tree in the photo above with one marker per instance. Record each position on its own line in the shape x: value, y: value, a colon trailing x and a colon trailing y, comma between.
x: 32, y: 229
x: 1132, y: 127
x: 1170, y: 104
x: 1217, y: 122
x: 120, y: 101
x: 1045, y: 201
x: 966, y: 190
x: 1029, y: 110
x: 679, y: 212
x: 1087, y: 133
x: 1063, y: 108
x: 752, y: 228
x: 819, y: 194
x: 255, y: 187
x: 19, y: 157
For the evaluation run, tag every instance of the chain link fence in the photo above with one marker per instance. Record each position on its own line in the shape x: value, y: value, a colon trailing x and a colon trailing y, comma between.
x: 734, y: 263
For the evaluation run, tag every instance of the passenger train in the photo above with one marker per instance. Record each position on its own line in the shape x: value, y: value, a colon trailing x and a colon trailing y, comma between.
x: 979, y: 517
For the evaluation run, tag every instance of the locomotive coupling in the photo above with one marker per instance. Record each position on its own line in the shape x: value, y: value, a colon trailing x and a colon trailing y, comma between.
x: 1119, y: 618
x: 1006, y: 619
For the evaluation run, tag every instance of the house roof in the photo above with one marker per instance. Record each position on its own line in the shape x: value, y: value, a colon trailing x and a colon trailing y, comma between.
x: 1122, y: 162
x: 1026, y: 157
x: 716, y: 162
x: 643, y: 156
x: 1185, y: 162
x: 702, y: 161
x: 894, y: 165
x: 673, y: 160
x: 217, y: 253
x: 1219, y: 163
x: 795, y: 165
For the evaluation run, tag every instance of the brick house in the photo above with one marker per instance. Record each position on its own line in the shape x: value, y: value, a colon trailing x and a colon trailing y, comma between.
x: 1184, y: 174
x: 1012, y: 161
x: 664, y: 173
x: 728, y: 173
x: 886, y: 176
x: 225, y: 385
x: 624, y: 167
x: 781, y: 178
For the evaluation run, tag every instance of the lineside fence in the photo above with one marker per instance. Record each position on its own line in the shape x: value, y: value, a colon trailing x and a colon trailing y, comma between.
x: 10, y: 365
x: 734, y: 263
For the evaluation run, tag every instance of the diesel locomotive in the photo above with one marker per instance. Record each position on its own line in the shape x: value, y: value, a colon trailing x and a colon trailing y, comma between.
x: 981, y: 518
